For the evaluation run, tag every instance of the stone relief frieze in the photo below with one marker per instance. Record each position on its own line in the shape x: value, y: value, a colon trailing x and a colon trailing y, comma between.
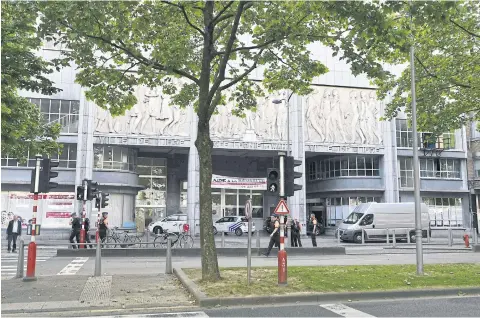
x: 341, y: 115
x: 153, y: 115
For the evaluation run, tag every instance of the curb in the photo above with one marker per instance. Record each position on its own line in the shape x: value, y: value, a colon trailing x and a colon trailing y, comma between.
x: 193, y: 252
x: 203, y: 301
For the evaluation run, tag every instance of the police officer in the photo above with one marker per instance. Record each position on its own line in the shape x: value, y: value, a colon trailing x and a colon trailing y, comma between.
x: 76, y: 226
x: 274, y: 237
x: 103, y: 226
x: 296, y: 228
x: 87, y: 237
x: 314, y: 230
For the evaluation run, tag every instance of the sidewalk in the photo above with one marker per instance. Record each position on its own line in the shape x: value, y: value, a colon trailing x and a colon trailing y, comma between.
x: 68, y: 293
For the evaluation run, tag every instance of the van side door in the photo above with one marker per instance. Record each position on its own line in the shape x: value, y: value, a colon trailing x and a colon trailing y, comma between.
x: 367, y: 224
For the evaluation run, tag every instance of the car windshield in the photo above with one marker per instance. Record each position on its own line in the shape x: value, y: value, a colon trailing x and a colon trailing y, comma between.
x: 353, y: 218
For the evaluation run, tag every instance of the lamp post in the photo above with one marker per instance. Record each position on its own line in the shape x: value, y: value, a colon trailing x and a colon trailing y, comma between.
x: 287, y: 101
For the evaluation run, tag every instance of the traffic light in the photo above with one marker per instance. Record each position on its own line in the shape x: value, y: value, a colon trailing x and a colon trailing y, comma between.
x: 98, y: 200
x: 291, y: 175
x: 273, y: 180
x: 45, y: 185
x: 92, y: 190
x: 80, y: 193
x: 105, y: 198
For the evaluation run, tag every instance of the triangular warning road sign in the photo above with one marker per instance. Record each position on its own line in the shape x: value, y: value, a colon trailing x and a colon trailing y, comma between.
x: 282, y: 208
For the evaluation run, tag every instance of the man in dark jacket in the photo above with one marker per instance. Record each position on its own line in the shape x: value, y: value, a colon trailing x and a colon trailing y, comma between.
x: 14, y: 229
x: 87, y: 237
x: 76, y: 226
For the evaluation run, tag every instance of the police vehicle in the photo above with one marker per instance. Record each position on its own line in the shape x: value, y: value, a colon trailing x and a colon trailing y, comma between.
x: 232, y: 224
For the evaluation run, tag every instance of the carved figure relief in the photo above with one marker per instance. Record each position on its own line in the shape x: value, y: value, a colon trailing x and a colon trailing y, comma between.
x: 339, y: 115
x: 151, y: 116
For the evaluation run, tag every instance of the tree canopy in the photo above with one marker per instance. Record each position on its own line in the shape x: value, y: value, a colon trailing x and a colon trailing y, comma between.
x: 203, y: 53
x: 23, y: 127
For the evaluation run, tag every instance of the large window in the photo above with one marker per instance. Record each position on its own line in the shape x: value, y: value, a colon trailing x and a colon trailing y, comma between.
x: 435, y: 168
x: 153, y: 175
x: 60, y: 111
x: 445, y: 212
x: 477, y: 168
x: 339, y: 208
x: 235, y: 202
x: 114, y: 158
x: 404, y: 135
x: 348, y: 166
x: 67, y: 158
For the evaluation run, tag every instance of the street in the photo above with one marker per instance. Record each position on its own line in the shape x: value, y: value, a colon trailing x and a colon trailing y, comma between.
x: 458, y: 306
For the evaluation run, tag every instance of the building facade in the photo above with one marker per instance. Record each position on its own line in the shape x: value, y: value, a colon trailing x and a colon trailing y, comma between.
x: 147, y: 160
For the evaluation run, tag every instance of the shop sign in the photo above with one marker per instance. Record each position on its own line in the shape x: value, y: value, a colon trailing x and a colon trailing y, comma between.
x: 223, y: 182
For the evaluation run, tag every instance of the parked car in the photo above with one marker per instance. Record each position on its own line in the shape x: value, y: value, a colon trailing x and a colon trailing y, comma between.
x: 235, y: 224
x: 172, y: 223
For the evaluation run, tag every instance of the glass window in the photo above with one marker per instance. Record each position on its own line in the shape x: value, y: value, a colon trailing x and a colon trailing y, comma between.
x: 155, y: 194
x: 116, y: 158
x: 64, y: 112
x: 444, y: 212
x: 351, y: 166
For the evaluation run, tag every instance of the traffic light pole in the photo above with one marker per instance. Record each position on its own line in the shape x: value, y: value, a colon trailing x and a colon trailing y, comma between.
x: 97, y: 233
x: 82, y: 229
x: 282, y: 254
x: 32, y: 246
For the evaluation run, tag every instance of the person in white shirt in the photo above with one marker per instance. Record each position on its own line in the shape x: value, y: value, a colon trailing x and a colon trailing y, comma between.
x: 14, y: 230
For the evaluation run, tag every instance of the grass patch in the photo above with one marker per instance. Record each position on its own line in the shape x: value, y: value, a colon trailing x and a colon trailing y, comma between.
x: 305, y: 279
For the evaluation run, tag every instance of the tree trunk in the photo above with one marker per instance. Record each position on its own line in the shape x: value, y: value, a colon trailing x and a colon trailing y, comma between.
x: 210, y: 270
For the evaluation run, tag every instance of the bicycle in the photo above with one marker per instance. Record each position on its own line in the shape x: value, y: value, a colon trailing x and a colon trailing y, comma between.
x: 185, y: 240
x: 115, y: 238
x: 162, y: 239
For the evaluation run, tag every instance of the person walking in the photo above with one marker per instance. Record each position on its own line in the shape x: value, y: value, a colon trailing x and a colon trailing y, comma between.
x: 314, y: 230
x: 296, y: 230
x: 103, y: 226
x: 14, y: 229
x: 274, y: 237
x: 76, y: 226
x: 87, y: 237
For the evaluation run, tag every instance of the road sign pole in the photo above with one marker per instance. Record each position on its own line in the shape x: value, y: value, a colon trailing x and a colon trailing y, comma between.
x: 32, y: 246
x: 282, y: 254
x: 82, y: 228
x: 248, y: 213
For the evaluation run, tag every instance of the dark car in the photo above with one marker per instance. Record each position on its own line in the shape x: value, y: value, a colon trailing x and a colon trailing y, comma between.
x: 320, y: 227
x: 268, y: 226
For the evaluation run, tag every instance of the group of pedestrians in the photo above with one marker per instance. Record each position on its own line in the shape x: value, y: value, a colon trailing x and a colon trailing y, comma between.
x: 296, y: 228
x: 76, y: 223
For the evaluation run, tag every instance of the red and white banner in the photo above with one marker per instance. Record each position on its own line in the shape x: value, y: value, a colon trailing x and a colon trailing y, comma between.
x: 222, y: 182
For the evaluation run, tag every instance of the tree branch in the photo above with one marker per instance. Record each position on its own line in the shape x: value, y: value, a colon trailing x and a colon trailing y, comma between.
x: 184, y: 12
x: 435, y: 76
x: 464, y: 29
x: 245, y: 74
x: 137, y: 56
x: 218, y: 18
x: 226, y: 56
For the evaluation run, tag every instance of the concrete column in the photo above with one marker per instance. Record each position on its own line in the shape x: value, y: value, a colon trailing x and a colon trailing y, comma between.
x: 390, y: 166
x: 85, y: 149
x: 297, y: 203
x: 193, y: 181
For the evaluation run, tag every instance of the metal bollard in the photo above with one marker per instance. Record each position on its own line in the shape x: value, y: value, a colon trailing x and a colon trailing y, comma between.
x: 147, y: 234
x: 408, y: 236
x: 168, y: 264
x: 363, y: 236
x: 429, y: 233
x: 475, y: 236
x: 98, y: 260
x: 223, y: 239
x: 257, y: 233
x: 338, y: 236
x: 388, y: 236
x: 289, y: 236
x: 394, y: 239
x: 21, y: 259
x: 450, y: 237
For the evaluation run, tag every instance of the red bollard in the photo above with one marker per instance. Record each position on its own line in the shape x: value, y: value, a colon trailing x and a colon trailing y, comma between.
x: 97, y: 236
x: 31, y: 260
x: 282, y: 267
x: 82, y: 238
x: 466, y: 239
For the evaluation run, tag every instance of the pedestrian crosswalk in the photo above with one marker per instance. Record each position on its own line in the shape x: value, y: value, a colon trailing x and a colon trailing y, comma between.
x: 9, y: 261
x: 194, y: 314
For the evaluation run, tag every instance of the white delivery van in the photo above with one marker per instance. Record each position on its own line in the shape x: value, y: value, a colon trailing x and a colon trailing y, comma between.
x: 376, y: 218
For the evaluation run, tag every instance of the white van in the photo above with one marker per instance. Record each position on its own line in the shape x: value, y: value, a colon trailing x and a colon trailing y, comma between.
x: 376, y: 218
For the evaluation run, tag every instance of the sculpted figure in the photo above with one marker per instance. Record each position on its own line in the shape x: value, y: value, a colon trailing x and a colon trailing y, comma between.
x: 374, y: 109
x: 315, y: 118
x: 363, y: 114
x: 335, y: 118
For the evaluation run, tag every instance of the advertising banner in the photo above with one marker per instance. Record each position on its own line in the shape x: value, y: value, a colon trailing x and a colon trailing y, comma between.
x: 222, y: 182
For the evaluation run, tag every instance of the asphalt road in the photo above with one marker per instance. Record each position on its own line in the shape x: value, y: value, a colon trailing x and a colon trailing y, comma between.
x: 460, y: 306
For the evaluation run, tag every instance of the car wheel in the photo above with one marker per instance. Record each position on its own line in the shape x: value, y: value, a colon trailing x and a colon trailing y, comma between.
x: 215, y: 231
x: 413, y: 239
x: 157, y: 230
x: 239, y: 232
x: 357, y: 237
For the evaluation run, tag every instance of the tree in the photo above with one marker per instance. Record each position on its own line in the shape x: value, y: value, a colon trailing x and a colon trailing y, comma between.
x: 202, y: 53
x: 23, y: 127
x: 447, y: 65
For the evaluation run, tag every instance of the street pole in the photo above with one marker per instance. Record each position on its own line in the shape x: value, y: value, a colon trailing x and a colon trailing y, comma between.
x: 416, y: 170
x: 97, y: 233
x: 32, y: 246
x: 282, y: 254
x: 248, y: 212
x: 82, y: 229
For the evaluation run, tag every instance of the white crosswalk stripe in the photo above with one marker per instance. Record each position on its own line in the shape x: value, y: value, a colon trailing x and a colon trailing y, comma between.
x: 193, y: 314
x: 9, y: 261
x: 74, y: 266
x: 345, y: 311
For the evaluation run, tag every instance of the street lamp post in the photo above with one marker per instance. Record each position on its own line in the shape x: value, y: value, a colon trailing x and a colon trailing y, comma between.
x: 287, y: 102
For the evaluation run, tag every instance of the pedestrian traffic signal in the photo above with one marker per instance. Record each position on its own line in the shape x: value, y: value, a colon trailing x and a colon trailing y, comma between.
x: 291, y: 175
x: 273, y: 180
x: 46, y: 173
x: 105, y: 199
x: 98, y: 200
x: 92, y: 190
x: 80, y: 193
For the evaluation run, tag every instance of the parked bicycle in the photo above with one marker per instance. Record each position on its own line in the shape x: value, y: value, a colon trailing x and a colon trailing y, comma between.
x: 182, y: 240
x: 127, y: 239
